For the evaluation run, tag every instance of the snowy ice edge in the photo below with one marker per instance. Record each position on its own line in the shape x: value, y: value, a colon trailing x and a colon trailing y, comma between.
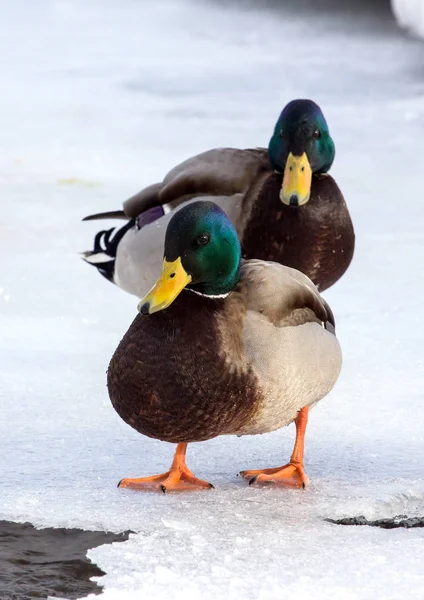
x: 120, y: 582
x: 410, y: 15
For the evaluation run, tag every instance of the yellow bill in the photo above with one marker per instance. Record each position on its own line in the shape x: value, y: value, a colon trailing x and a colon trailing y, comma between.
x: 171, y: 283
x: 297, y: 180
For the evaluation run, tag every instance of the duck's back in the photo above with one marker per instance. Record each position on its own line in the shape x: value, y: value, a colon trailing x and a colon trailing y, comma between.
x: 216, y: 172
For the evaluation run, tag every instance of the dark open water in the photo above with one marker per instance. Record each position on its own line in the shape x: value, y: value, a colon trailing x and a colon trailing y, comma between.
x: 36, y: 563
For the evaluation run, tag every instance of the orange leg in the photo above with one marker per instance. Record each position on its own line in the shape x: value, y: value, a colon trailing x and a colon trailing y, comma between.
x: 291, y: 474
x: 178, y: 478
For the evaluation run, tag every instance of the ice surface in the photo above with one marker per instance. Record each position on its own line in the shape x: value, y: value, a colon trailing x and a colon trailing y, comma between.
x: 101, y: 98
x: 410, y: 14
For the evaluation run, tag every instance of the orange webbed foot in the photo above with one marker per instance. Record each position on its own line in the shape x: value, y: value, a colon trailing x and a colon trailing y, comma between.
x: 178, y: 479
x: 171, y: 481
x: 290, y: 475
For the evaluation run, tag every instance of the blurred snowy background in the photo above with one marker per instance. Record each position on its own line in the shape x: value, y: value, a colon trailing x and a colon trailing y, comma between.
x: 101, y: 98
x: 410, y: 15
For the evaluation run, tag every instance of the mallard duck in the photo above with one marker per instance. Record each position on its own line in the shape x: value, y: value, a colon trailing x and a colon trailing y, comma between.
x: 222, y: 345
x: 283, y: 203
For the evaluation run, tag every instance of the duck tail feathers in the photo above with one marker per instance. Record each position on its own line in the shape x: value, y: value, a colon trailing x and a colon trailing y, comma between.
x: 103, y: 255
x: 112, y: 214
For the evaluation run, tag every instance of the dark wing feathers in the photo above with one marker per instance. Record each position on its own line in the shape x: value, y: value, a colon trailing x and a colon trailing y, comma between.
x: 330, y: 323
x: 217, y: 172
x: 112, y: 214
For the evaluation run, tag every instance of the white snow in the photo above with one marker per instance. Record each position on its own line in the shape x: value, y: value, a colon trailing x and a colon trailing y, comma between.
x: 101, y: 98
x: 410, y: 15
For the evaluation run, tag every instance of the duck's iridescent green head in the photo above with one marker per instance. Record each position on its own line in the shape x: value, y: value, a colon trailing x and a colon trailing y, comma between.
x: 202, y: 253
x: 300, y: 146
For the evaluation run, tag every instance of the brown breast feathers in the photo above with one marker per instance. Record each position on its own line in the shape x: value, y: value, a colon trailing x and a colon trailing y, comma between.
x: 317, y: 238
x: 169, y: 378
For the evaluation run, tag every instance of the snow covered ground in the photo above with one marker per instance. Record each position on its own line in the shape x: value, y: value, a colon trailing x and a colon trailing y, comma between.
x: 101, y: 98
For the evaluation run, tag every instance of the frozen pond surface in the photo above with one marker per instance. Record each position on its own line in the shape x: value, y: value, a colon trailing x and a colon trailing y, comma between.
x: 100, y: 99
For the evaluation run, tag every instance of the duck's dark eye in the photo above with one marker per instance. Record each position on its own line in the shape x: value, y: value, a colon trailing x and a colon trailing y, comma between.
x: 281, y: 133
x: 203, y: 239
x: 316, y: 134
